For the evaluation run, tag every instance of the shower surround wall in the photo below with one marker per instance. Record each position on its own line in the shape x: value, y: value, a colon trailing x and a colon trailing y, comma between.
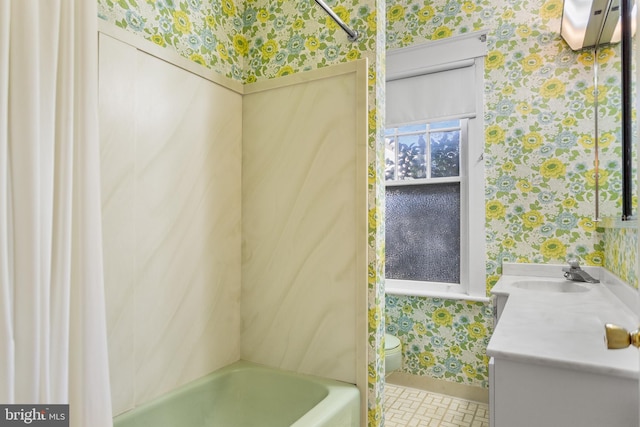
x: 263, y: 40
x: 304, y: 223
x: 175, y: 213
x: 171, y: 159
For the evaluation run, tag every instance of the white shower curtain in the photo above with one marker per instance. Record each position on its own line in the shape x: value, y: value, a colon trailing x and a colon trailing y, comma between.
x: 53, y: 345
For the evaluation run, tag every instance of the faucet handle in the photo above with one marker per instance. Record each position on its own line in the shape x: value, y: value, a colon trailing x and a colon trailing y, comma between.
x: 573, y: 263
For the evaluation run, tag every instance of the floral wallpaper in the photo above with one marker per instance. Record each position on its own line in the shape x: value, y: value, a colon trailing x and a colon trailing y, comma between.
x: 288, y: 37
x: 539, y: 136
x: 621, y: 251
x: 250, y: 40
x: 442, y: 339
x: 207, y: 32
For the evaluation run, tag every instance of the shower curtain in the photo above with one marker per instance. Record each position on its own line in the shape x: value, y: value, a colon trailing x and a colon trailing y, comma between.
x: 53, y: 345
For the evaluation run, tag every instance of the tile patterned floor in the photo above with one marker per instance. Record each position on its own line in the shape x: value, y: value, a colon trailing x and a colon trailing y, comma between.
x: 410, y: 407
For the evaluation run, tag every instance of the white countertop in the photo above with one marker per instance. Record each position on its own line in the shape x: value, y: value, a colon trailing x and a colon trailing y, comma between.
x: 564, y: 329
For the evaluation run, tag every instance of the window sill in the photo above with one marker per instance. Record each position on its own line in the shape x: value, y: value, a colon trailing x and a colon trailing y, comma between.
x: 431, y: 290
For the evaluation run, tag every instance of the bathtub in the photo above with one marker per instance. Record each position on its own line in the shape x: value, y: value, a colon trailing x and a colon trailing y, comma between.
x: 244, y: 394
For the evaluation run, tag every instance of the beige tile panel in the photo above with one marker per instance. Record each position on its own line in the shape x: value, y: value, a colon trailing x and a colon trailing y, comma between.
x: 188, y: 227
x: 300, y: 227
x: 117, y: 150
x: 179, y: 229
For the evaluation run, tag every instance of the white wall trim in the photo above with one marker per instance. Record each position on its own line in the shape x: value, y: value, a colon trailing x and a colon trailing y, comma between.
x: 435, y: 385
x: 168, y: 55
x: 430, y: 290
x: 359, y: 66
x: 174, y: 58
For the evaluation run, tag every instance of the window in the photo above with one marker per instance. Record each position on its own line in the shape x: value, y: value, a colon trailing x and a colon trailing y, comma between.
x: 434, y: 172
x: 423, y: 201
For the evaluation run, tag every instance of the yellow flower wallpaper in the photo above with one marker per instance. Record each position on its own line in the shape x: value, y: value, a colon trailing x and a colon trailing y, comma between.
x: 442, y: 339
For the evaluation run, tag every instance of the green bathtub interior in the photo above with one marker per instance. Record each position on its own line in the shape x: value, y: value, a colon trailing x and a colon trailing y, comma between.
x: 245, y: 395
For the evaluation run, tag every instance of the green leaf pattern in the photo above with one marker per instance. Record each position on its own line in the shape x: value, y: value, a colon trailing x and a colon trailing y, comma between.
x: 443, y: 339
x: 620, y: 253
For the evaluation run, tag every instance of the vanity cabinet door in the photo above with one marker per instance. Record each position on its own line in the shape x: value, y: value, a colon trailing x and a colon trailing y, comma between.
x: 534, y: 395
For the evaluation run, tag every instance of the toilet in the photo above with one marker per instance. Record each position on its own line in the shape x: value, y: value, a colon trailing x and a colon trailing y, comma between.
x: 392, y: 353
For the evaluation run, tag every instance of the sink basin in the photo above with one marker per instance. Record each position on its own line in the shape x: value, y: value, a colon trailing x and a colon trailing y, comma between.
x: 550, y: 286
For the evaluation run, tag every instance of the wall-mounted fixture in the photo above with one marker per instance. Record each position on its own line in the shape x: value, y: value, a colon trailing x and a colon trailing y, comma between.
x: 587, y: 23
x: 353, y: 35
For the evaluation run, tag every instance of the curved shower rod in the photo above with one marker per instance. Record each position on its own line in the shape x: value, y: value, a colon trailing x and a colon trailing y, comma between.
x: 353, y: 34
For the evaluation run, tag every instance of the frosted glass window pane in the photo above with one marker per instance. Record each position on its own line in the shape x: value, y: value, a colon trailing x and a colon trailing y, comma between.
x: 423, y: 232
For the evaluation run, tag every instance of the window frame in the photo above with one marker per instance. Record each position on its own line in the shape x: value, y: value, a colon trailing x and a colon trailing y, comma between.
x: 463, y: 128
x: 438, y: 56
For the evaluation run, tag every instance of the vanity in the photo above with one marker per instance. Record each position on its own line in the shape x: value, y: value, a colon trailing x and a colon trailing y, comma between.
x: 549, y: 365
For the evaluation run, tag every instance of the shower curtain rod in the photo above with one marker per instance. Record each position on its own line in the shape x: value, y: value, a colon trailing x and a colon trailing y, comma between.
x: 353, y: 35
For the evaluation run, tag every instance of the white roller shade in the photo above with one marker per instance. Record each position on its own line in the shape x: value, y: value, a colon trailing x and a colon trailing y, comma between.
x: 435, y: 94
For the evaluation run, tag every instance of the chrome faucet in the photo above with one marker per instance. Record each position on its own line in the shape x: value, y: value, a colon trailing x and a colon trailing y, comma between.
x: 575, y: 273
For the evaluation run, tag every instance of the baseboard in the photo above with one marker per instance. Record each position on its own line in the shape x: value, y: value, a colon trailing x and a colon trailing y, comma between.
x: 462, y: 391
